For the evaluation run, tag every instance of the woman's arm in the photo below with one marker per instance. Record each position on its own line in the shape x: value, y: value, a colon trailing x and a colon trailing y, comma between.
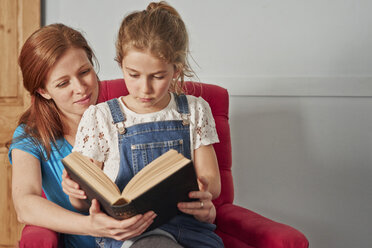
x: 206, y: 166
x: 33, y: 209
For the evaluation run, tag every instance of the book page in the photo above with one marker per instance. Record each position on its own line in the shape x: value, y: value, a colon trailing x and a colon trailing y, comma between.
x: 93, y: 175
x: 148, y: 169
x: 154, y: 172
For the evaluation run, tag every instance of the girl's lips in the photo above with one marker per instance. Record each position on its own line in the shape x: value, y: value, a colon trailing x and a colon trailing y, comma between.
x: 146, y: 99
x: 84, y: 100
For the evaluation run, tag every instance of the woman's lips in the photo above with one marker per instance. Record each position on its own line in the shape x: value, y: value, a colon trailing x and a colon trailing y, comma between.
x: 84, y: 100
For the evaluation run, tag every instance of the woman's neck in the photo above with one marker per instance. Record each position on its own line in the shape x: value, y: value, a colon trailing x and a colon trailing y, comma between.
x: 71, y: 130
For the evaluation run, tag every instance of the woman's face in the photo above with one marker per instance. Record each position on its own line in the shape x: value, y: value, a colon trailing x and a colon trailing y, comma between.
x: 148, y: 80
x: 72, y: 83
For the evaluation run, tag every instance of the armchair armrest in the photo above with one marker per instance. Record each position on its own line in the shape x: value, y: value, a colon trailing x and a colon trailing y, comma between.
x: 242, y: 226
x: 38, y: 237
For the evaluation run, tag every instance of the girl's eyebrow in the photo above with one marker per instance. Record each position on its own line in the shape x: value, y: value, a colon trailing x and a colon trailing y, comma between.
x: 131, y: 69
x: 157, y: 72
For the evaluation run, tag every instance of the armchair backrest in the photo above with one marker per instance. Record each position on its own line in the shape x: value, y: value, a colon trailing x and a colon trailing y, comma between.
x: 218, y: 100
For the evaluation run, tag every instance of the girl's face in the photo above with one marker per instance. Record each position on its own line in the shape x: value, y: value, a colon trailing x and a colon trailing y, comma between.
x: 148, y: 80
x: 72, y: 83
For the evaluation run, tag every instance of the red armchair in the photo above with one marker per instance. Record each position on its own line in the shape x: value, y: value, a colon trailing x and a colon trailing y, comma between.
x: 237, y: 226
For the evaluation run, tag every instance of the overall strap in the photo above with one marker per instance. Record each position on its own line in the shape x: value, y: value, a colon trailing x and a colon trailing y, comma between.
x: 182, y: 104
x: 183, y: 108
x: 117, y: 114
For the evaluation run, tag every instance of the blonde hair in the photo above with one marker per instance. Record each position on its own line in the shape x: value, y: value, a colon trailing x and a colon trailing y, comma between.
x: 160, y: 30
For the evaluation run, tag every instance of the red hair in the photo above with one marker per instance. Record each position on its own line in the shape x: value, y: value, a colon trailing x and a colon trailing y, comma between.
x: 42, y: 120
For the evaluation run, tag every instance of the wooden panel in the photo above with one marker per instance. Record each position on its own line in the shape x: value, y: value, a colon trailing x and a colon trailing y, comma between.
x: 8, y: 120
x: 10, y: 229
x: 18, y: 19
x: 8, y: 45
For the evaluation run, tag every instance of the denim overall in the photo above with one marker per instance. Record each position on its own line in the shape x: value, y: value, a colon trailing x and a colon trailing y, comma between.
x: 142, y: 143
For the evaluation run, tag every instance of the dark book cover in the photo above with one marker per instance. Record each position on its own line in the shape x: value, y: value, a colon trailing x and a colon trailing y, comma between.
x: 161, y: 198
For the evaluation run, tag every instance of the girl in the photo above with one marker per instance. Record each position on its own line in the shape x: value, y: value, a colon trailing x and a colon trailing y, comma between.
x: 57, y: 68
x: 152, y: 47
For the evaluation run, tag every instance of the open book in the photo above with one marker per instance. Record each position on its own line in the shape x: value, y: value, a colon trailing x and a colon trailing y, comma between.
x: 159, y: 186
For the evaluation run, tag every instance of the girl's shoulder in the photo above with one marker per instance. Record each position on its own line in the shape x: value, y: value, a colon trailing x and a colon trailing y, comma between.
x: 197, y: 103
x: 97, y: 111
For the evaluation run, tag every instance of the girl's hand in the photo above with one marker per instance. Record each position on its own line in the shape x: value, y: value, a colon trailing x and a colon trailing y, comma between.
x: 203, y: 210
x: 76, y: 195
x: 102, y: 225
x: 71, y: 188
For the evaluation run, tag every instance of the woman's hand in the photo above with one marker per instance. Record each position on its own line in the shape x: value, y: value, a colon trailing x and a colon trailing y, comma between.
x: 99, y: 223
x: 102, y: 225
x: 203, y: 210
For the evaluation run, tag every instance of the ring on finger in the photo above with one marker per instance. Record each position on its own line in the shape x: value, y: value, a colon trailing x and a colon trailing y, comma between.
x: 201, y: 204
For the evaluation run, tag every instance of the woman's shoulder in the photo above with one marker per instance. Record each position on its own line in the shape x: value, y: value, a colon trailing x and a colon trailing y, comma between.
x: 22, y: 140
x: 20, y: 135
x: 20, y: 130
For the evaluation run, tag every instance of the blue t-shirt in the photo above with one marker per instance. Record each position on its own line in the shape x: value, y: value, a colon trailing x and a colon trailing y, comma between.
x: 51, y: 172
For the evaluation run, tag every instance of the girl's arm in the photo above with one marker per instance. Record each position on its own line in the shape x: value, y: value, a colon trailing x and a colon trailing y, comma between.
x: 206, y: 166
x: 33, y: 209
x: 204, y: 209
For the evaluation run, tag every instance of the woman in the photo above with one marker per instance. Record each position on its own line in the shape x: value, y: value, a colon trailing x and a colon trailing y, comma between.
x: 57, y: 68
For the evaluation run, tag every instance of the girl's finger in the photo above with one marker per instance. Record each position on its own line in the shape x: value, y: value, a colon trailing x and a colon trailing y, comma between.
x: 71, y: 191
x: 195, y: 205
x: 195, y: 212
x: 203, y: 195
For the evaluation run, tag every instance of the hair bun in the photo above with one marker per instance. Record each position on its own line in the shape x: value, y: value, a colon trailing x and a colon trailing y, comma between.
x: 153, y: 6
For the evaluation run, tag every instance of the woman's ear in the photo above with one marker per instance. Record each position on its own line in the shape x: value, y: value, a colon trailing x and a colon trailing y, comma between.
x: 44, y: 93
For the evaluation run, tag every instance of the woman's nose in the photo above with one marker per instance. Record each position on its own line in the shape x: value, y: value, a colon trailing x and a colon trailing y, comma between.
x: 79, y: 86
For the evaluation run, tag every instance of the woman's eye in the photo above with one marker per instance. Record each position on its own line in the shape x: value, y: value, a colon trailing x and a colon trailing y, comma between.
x: 134, y: 75
x: 62, y: 84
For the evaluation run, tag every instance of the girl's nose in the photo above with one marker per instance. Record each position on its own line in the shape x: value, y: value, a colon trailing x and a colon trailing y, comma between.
x: 146, y: 86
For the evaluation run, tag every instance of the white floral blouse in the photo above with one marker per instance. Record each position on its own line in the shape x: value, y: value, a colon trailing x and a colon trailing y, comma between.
x: 97, y: 136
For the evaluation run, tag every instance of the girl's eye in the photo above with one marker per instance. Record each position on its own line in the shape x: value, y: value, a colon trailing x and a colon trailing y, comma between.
x: 158, y: 77
x: 84, y: 72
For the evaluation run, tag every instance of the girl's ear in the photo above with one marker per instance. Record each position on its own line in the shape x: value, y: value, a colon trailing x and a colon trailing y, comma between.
x: 44, y: 93
x: 176, y: 73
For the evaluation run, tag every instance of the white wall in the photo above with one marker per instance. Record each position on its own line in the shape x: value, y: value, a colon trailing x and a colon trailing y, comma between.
x: 299, y: 75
